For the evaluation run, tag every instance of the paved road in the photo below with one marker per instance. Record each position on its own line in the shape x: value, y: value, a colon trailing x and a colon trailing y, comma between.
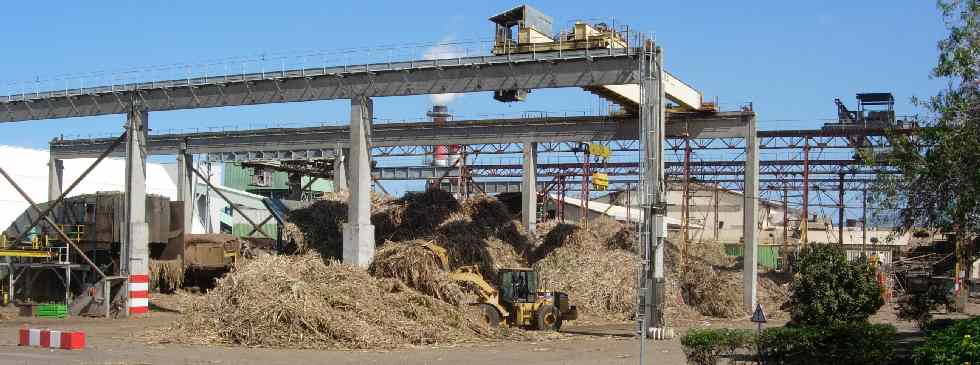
x: 123, y: 341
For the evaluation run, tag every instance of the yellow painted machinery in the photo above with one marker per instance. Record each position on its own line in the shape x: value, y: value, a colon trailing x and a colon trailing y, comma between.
x: 534, y: 34
x: 524, y: 29
x: 519, y: 302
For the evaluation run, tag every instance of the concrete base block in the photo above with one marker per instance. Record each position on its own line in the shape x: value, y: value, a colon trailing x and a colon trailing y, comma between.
x: 358, y: 244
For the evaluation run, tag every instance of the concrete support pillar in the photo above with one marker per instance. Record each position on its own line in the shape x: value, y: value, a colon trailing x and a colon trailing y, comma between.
x: 529, y: 191
x: 750, y: 218
x: 340, y: 170
x: 56, y: 178
x: 185, y: 186
x: 136, y: 233
x: 358, y: 231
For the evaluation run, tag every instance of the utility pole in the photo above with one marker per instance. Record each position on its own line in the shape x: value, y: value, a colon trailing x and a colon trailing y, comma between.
x: 652, y: 282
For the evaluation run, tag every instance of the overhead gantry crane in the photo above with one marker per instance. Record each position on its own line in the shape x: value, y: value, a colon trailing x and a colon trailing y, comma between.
x: 534, y: 34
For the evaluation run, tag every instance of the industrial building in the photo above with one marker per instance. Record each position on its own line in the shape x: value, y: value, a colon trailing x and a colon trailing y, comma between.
x: 610, y: 164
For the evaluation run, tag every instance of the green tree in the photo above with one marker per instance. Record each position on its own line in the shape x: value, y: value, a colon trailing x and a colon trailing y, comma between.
x: 828, y: 290
x: 938, y: 185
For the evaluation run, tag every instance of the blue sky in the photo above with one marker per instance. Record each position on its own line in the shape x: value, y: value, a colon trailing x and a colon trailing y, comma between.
x: 790, y: 59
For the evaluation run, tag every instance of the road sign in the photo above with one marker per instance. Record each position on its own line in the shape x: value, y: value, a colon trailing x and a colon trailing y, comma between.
x: 759, y: 316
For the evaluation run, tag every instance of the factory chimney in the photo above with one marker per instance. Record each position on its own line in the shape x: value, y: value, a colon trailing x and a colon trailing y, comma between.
x: 442, y: 155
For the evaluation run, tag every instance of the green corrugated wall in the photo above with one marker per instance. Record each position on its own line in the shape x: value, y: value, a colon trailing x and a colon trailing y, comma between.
x: 768, y: 255
x: 242, y: 230
x: 236, y: 177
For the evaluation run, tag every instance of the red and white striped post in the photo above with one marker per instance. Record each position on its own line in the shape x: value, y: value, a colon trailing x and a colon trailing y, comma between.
x: 139, y: 294
x: 68, y: 340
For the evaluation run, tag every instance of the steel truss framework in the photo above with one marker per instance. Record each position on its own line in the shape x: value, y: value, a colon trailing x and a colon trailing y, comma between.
x: 767, y: 185
x: 707, y: 169
x: 562, y: 135
x: 491, y: 73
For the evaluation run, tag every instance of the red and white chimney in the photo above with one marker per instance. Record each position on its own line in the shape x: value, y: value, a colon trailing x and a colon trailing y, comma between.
x: 443, y: 155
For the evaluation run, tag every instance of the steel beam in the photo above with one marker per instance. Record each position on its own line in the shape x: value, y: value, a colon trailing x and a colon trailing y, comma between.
x: 415, y: 77
x: 320, y: 142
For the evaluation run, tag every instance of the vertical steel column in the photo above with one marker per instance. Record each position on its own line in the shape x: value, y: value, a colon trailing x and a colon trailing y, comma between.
x: 136, y: 233
x: 56, y: 177
x: 840, y: 209
x: 358, y: 231
x: 561, y: 198
x: 864, y: 222
x: 340, y: 170
x: 750, y: 215
x: 717, y: 202
x: 586, y: 174
x: 785, y: 254
x: 185, y: 186
x: 529, y: 201
x: 686, y: 197
x: 785, y: 215
x: 804, y: 225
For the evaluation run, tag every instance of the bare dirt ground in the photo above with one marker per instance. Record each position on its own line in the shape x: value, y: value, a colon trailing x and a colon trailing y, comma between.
x: 126, y: 341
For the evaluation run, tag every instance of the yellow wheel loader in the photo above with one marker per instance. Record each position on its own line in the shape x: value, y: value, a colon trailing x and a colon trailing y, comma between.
x: 519, y: 302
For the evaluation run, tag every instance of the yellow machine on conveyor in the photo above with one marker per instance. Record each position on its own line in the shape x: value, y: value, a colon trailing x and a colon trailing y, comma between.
x: 519, y: 302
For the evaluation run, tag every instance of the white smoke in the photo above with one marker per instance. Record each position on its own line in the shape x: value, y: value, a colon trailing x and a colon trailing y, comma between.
x: 445, y: 49
x: 442, y: 99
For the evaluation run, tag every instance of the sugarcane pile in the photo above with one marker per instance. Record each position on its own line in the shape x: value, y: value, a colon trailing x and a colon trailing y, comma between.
x: 406, y: 296
x: 307, y: 300
x: 600, y: 280
x: 417, y: 266
x: 300, y: 301
x: 166, y: 275
x: 598, y: 267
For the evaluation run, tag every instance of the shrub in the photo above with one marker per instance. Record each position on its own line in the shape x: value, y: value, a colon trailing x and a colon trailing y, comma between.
x: 917, y: 306
x: 956, y: 344
x: 830, y: 290
x: 706, y: 346
x: 840, y: 344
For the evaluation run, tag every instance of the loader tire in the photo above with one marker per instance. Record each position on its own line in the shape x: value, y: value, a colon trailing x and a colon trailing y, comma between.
x: 491, y: 317
x: 547, y: 318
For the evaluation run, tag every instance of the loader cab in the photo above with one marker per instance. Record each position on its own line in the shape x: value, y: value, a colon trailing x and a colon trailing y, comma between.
x: 518, y: 285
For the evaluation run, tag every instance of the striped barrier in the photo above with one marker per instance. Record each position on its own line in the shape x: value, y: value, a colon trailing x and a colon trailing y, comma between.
x: 68, y: 340
x: 139, y: 294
